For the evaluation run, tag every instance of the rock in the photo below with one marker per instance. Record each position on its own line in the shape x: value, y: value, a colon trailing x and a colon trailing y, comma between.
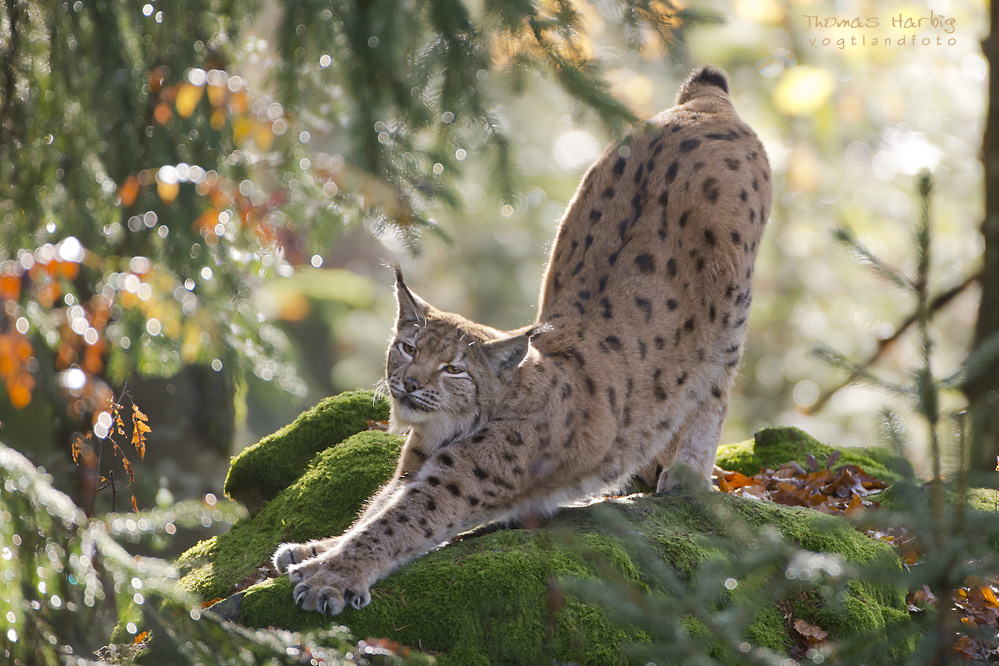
x: 263, y: 470
x: 495, y: 596
x: 770, y: 447
x: 324, y: 500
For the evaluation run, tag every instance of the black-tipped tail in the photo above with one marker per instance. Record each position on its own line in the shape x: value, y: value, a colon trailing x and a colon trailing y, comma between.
x: 701, y: 79
x: 711, y: 76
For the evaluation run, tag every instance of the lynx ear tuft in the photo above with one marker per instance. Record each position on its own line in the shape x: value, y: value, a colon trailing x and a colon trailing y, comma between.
x: 412, y: 308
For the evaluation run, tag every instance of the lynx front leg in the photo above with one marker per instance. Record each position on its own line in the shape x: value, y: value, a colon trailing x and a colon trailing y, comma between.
x: 434, y: 507
x: 288, y: 554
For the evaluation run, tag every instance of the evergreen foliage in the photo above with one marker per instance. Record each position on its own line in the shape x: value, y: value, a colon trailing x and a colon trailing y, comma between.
x: 145, y: 186
x: 958, y: 544
x: 68, y: 583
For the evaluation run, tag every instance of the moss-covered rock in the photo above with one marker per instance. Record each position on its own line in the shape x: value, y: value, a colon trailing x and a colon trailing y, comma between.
x: 263, y: 470
x: 771, y: 447
x: 493, y: 597
x: 322, y: 501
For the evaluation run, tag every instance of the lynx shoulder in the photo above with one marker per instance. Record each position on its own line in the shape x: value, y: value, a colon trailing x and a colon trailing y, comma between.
x: 628, y: 367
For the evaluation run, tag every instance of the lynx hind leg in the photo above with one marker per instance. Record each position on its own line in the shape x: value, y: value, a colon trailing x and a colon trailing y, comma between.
x: 691, y: 468
x: 288, y: 554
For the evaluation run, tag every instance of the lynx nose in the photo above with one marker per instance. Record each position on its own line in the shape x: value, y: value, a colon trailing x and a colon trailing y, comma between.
x: 410, y: 384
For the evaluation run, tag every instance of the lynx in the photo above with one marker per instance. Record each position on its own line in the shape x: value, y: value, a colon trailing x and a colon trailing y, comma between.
x: 639, y: 333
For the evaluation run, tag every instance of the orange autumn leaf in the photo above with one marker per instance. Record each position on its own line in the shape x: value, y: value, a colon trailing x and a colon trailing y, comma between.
x: 162, y: 113
x: 239, y: 102
x: 139, y: 429
x: 49, y: 293
x: 77, y: 447
x: 10, y: 287
x: 156, y: 78
x: 856, y: 505
x: 65, y: 357
x: 141, y: 637
x: 207, y: 220
x: 67, y: 269
x: 135, y: 506
x: 217, y: 95
x: 93, y: 358
x: 218, y: 119
x: 20, y: 397
x: 167, y: 191
x: 127, y: 464
x: 129, y: 191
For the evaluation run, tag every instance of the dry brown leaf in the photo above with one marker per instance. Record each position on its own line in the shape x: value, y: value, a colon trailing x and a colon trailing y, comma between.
x: 77, y: 447
x: 139, y: 429
x: 810, y: 631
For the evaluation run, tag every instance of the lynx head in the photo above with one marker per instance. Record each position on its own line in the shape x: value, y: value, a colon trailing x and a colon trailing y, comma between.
x: 444, y: 372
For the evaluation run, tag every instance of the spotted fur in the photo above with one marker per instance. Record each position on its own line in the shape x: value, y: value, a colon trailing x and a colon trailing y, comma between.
x: 627, y: 369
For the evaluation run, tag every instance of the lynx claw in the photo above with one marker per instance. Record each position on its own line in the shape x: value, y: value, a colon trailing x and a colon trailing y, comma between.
x: 289, y: 554
x: 322, y: 587
x: 357, y: 600
x: 327, y: 601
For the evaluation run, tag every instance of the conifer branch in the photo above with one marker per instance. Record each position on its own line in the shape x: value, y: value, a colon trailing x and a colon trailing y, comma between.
x: 940, y: 301
x: 864, y: 255
x: 977, y: 362
x: 858, y: 373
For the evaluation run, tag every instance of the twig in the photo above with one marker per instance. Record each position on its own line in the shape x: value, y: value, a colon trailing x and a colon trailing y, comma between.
x: 100, y: 450
x: 940, y: 301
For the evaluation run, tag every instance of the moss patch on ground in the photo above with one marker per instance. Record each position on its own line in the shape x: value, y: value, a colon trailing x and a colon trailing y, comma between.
x: 263, y: 470
x: 493, y: 598
x: 771, y: 447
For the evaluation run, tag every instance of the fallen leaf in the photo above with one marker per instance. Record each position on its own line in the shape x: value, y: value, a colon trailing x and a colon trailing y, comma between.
x: 810, y: 631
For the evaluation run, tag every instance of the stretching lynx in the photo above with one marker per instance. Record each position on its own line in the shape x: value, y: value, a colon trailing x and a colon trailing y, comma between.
x: 639, y: 332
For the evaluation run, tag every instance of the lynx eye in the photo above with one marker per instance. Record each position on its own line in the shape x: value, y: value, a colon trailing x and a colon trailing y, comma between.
x: 452, y: 369
x: 408, y: 348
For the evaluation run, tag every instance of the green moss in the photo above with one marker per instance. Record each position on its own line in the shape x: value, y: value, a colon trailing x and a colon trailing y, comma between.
x: 261, y: 471
x: 494, y: 598
x: 323, y: 502
x: 489, y: 599
x: 985, y: 500
x: 770, y: 447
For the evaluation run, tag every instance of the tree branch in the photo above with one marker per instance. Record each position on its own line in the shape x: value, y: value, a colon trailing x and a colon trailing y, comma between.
x: 940, y: 301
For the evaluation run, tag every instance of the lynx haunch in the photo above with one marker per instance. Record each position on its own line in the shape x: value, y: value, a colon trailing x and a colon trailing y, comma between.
x: 629, y: 365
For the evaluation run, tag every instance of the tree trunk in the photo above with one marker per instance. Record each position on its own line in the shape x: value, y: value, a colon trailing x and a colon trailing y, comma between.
x: 983, y: 391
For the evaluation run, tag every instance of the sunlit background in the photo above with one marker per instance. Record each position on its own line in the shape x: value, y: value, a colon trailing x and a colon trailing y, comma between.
x: 847, y: 125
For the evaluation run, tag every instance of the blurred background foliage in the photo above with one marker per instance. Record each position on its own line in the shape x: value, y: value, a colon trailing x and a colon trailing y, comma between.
x: 196, y: 197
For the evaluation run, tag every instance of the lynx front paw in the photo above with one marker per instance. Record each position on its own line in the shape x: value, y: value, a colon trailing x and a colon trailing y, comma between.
x: 319, y: 587
x: 289, y: 554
